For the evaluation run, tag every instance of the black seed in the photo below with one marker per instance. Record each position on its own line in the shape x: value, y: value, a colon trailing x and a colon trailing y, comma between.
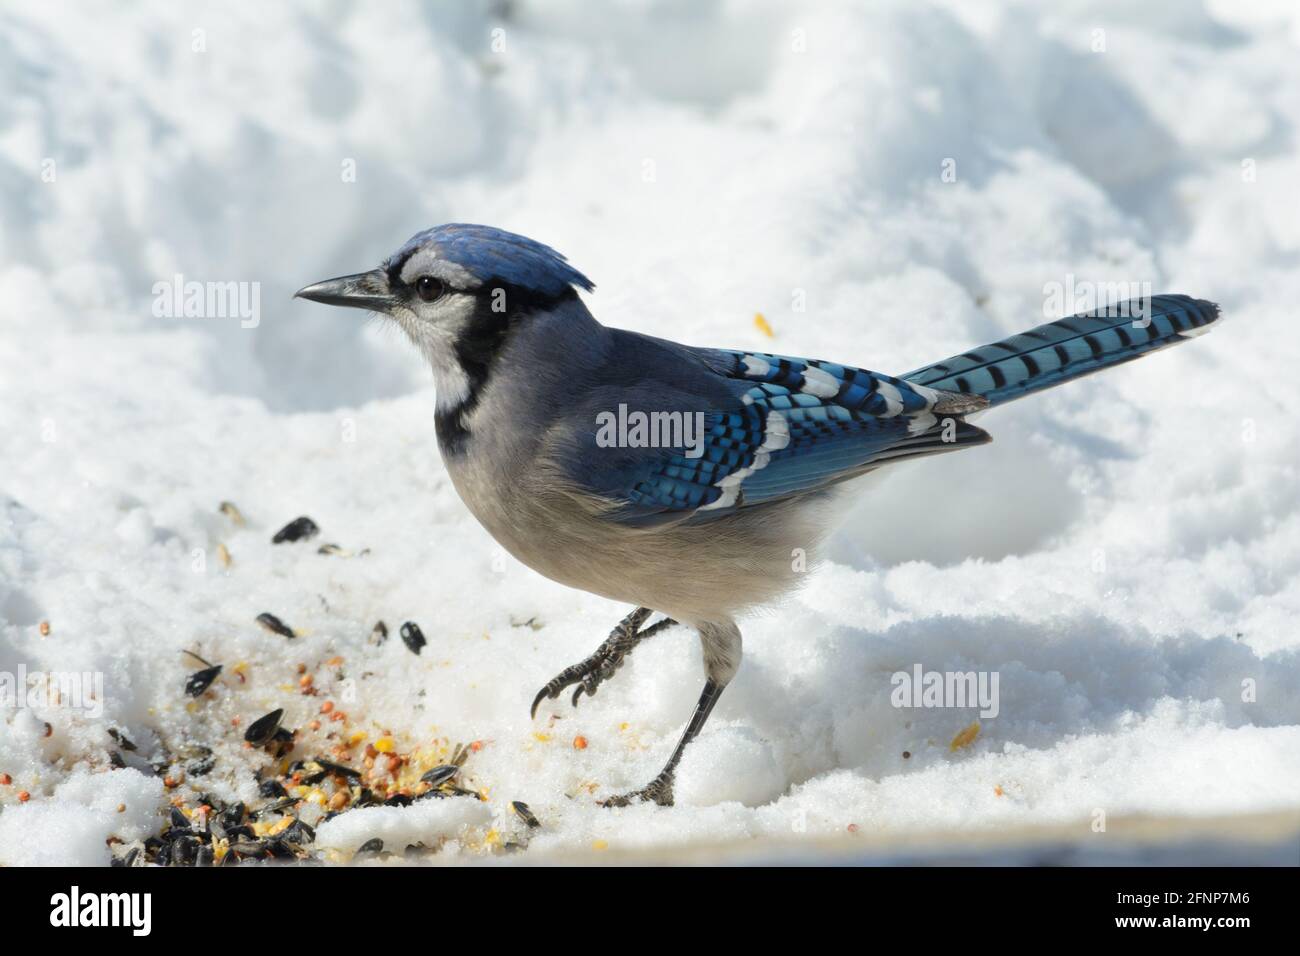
x: 274, y: 624
x: 275, y: 807
x: 205, y: 856
x: 412, y: 636
x: 329, y: 549
x: 398, y: 800
x: 200, y: 681
x: 271, y: 789
x: 233, y: 815
x: 279, y: 849
x: 184, y: 851
x: 526, y: 815
x: 179, y: 821
x: 298, y: 833
x: 373, y: 845
x: 440, y: 775
x: 116, y: 760
x: 241, y: 832
x: 379, y: 633
x: 331, y: 767
x: 121, y: 739
x: 298, y: 529
x: 132, y: 857
x: 261, y: 731
x: 201, y: 767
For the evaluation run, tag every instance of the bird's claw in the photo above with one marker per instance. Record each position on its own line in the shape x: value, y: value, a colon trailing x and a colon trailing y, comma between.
x: 659, y: 790
x: 588, y: 675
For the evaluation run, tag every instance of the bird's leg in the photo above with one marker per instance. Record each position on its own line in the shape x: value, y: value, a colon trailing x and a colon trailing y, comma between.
x: 589, y: 674
x: 722, y: 649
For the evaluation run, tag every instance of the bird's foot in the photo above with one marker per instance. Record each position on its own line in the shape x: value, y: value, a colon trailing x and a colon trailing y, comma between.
x: 588, y: 675
x: 659, y: 790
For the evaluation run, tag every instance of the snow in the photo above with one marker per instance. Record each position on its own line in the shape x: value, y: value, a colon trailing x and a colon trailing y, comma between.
x: 398, y: 827
x: 1125, y: 555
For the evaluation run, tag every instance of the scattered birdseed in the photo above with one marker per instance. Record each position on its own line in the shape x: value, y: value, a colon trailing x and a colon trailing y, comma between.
x: 579, y: 742
x: 379, y: 633
x: 262, y: 730
x: 23, y: 796
x: 228, y: 509
x: 412, y: 636
x: 271, y: 789
x: 274, y: 624
x: 299, y: 529
x: 200, y: 681
x: 5, y: 779
x: 966, y: 737
x: 440, y: 775
x: 332, y: 549
x: 45, y: 628
x: 373, y: 845
x: 521, y: 810
x: 223, y: 555
x: 122, y: 740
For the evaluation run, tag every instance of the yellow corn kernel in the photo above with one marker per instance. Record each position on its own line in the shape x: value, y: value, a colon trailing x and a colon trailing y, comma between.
x: 965, y: 738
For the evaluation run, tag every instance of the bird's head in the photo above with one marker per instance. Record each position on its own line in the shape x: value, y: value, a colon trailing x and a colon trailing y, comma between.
x: 455, y: 289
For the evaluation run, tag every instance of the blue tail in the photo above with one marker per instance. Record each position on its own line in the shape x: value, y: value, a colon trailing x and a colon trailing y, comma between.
x: 1069, y: 348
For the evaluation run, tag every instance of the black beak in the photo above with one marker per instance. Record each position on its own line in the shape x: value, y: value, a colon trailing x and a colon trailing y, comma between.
x: 365, y: 290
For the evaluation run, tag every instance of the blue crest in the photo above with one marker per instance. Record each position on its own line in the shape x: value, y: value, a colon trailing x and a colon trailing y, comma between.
x: 490, y: 254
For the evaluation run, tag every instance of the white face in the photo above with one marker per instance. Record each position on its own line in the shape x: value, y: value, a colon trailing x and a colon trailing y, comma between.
x: 435, y: 302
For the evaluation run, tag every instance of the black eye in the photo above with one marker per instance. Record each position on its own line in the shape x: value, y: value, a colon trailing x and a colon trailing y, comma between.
x: 429, y: 288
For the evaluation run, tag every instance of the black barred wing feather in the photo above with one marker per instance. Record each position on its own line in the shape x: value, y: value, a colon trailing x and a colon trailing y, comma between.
x: 801, y: 426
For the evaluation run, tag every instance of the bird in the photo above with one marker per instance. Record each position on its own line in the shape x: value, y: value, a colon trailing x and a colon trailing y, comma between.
x: 682, y: 481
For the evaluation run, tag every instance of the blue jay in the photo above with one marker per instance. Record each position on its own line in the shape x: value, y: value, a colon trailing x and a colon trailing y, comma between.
x: 699, y: 528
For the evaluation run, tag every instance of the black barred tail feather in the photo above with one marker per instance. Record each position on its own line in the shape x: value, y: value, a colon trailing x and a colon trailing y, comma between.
x: 1069, y: 348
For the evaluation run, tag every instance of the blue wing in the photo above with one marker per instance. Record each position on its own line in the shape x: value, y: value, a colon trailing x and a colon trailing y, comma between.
x: 800, y: 426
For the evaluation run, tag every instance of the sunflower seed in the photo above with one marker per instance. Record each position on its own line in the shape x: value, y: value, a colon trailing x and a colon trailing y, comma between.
x: 440, y: 775
x: 271, y: 788
x: 299, y: 529
x: 200, y: 681
x: 201, y: 767
x: 521, y: 809
x: 412, y: 636
x: 274, y: 624
x: 263, y: 729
